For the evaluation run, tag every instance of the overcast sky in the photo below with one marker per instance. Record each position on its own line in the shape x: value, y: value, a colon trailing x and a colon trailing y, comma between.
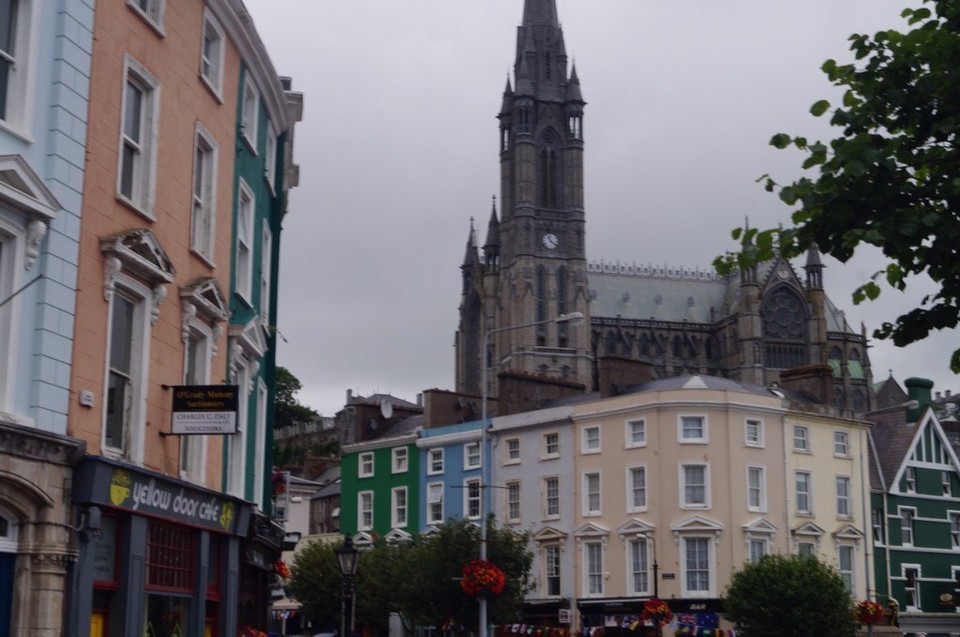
x: 398, y: 150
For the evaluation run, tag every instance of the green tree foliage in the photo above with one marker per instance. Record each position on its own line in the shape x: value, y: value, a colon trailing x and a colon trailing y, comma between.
x: 315, y: 582
x: 891, y: 178
x: 420, y: 581
x: 287, y: 409
x: 437, y: 597
x: 789, y: 596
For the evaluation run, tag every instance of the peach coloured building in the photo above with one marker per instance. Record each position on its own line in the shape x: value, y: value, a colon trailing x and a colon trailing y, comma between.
x: 697, y: 475
x: 153, y: 309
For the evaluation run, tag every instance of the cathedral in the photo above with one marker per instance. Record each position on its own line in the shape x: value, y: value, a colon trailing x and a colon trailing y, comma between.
x: 530, y: 275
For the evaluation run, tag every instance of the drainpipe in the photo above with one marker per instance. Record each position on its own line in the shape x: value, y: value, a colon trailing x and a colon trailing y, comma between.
x: 865, y: 494
x: 786, y: 484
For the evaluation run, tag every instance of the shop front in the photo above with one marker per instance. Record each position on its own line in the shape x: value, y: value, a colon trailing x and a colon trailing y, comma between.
x: 621, y: 617
x: 163, y: 558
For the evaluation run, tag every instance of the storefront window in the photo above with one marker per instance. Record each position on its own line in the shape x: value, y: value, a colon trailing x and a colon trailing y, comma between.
x: 167, y: 616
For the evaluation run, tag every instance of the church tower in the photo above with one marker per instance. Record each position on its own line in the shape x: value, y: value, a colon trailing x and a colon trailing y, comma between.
x: 533, y: 267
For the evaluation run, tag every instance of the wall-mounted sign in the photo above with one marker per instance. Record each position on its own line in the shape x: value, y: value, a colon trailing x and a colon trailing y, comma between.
x: 205, y: 409
x: 564, y: 616
x: 144, y: 494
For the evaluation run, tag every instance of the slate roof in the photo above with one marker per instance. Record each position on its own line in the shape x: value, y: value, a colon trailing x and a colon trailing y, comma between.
x: 890, y: 437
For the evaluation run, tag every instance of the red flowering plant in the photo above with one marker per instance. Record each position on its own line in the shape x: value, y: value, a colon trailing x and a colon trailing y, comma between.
x: 656, y: 610
x: 280, y: 568
x: 481, y: 576
x: 279, y: 483
x: 869, y: 612
x: 250, y: 631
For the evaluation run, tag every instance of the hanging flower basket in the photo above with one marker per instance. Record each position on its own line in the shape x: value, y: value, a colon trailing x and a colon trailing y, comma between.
x: 250, y: 631
x: 869, y: 612
x: 656, y: 610
x: 279, y: 483
x: 481, y: 577
x: 280, y: 568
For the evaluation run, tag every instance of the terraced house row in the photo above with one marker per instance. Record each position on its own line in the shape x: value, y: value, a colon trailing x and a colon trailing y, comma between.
x: 668, y: 487
x: 145, y: 160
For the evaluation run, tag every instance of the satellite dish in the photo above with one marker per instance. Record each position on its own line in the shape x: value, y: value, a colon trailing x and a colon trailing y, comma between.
x: 386, y: 408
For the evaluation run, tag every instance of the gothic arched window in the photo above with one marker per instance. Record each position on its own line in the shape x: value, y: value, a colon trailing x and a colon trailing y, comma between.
x: 611, y: 342
x: 541, y: 304
x: 644, y: 345
x: 561, y: 305
x: 677, y: 347
x: 833, y: 360
x: 549, y: 172
x: 783, y: 313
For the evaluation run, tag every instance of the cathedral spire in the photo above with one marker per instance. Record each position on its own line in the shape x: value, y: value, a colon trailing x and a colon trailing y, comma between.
x: 540, y: 12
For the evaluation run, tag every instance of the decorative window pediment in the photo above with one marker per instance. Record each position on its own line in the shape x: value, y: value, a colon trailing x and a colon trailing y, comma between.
x: 431, y: 531
x: 549, y: 534
x: 696, y: 524
x: 809, y: 530
x: 633, y: 526
x: 250, y: 337
x: 591, y: 531
x: 849, y: 533
x: 21, y: 187
x: 140, y: 253
x: 398, y: 536
x: 363, y: 541
x: 760, y: 525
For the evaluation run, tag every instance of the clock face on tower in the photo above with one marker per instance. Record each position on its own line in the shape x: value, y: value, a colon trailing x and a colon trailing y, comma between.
x: 550, y: 241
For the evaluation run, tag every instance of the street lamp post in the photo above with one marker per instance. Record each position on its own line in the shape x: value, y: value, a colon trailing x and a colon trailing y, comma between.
x: 348, y: 560
x: 572, y: 317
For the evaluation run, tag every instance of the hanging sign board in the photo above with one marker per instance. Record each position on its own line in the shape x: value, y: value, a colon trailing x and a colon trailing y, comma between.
x: 205, y: 410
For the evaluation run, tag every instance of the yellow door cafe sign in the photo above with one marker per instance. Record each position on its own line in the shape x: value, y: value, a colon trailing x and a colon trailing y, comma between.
x: 149, y: 495
x: 205, y: 410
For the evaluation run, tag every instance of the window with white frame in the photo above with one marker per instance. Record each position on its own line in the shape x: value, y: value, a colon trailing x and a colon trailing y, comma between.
x: 398, y: 506
x: 845, y: 566
x: 551, y: 497
x: 551, y: 445
x: 694, y: 486
x: 693, y: 429
x: 138, y: 135
x: 266, y: 271
x: 756, y: 489
x: 237, y: 443
x: 911, y: 586
x: 150, y: 10
x: 955, y: 530
x: 906, y: 526
x: 753, y: 432
x: 697, y: 559
x: 203, y: 218
x: 211, y: 53
x: 400, y: 461
x: 471, y: 455
x: 946, y: 483
x: 591, y: 493
x: 636, y: 433
x: 636, y: 489
x: 196, y: 369
x: 250, y: 112
x: 512, y: 452
x: 843, y: 496
x: 270, y: 157
x: 841, y: 443
x: 16, y: 32
x: 365, y: 465
x: 758, y: 548
x: 806, y: 549
x: 638, y: 573
x: 593, y: 556
x: 260, y: 442
x: 878, y: 527
x: 365, y: 510
x: 801, y: 438
x: 434, y: 461
x: 910, y: 479
x: 127, y: 348
x: 591, y: 439
x: 435, y: 503
x: 244, y: 247
x: 472, y: 496
x: 804, y: 496
x: 513, y: 501
x: 551, y: 571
